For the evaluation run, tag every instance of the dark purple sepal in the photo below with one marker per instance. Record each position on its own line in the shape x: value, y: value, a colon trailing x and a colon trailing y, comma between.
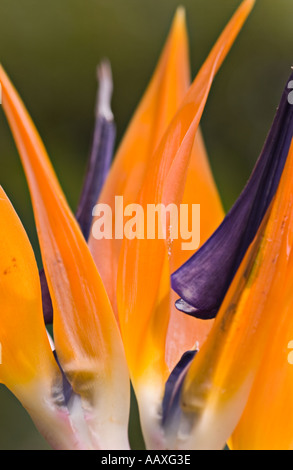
x: 46, y: 299
x: 202, y: 282
x: 171, y: 401
x: 97, y: 171
x: 67, y: 390
x: 102, y: 150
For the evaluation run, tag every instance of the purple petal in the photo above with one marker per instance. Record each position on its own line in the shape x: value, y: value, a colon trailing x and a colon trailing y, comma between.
x: 202, y: 282
x: 171, y: 400
x: 66, y: 387
x: 46, y: 299
x: 98, y: 167
x: 102, y: 151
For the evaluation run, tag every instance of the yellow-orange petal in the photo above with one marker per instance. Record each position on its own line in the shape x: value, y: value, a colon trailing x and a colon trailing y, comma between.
x: 28, y: 367
x: 87, y: 338
x: 26, y: 352
x: 255, y: 316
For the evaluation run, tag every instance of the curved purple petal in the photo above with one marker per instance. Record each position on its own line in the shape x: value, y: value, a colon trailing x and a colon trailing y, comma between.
x: 173, y: 387
x: 66, y: 387
x: 202, y: 282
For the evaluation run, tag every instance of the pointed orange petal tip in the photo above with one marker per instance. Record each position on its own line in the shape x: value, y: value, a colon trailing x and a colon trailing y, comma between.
x: 180, y: 16
x: 247, y: 6
x: 142, y: 265
x: 157, y: 107
x: 250, y: 3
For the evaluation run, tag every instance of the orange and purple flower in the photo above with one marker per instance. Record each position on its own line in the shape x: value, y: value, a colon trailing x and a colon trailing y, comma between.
x: 202, y: 337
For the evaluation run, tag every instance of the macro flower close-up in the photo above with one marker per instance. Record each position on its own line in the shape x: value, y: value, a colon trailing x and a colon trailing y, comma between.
x: 144, y: 305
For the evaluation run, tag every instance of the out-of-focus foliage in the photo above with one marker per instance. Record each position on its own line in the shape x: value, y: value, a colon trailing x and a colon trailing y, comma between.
x: 51, y: 49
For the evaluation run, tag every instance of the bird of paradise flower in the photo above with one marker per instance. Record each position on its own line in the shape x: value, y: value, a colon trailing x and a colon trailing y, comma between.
x: 205, y: 365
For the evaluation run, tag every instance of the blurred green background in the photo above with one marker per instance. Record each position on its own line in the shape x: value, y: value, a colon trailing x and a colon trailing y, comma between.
x: 51, y: 49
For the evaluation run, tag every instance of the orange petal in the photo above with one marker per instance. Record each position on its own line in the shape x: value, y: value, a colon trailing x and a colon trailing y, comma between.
x: 164, y: 182
x: 26, y: 352
x: 87, y: 338
x: 143, y: 284
x: 158, y: 106
x: 249, y: 341
x: 267, y: 421
x: 200, y: 188
x: 184, y: 331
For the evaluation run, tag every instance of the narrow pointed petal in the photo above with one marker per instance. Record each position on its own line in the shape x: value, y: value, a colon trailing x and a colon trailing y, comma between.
x: 88, y: 343
x: 143, y: 284
x: 155, y: 111
x: 28, y: 367
x: 256, y: 309
x: 98, y: 167
x: 173, y: 388
x: 101, y: 153
x: 203, y: 281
